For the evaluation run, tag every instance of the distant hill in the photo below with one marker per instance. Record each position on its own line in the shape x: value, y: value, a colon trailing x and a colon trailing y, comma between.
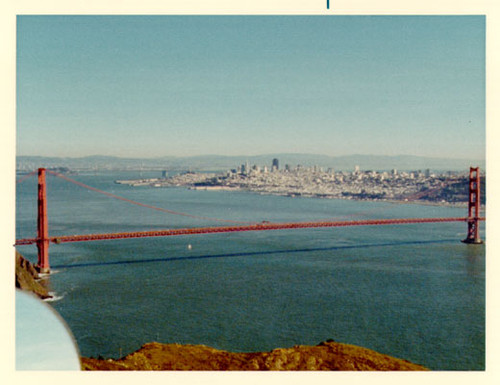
x: 221, y: 163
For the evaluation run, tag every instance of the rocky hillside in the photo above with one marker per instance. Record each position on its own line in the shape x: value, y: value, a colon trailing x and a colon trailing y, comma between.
x: 27, y: 277
x: 328, y: 355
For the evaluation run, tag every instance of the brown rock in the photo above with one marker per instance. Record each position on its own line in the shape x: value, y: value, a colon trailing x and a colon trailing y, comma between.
x: 27, y: 277
x: 328, y: 355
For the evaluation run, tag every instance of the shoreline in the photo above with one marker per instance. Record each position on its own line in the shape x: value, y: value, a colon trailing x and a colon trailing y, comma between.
x: 325, y: 196
x: 369, y: 186
x: 291, y: 194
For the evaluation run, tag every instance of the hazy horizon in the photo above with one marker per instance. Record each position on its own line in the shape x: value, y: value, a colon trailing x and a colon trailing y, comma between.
x: 248, y: 155
x: 215, y: 162
x: 144, y: 86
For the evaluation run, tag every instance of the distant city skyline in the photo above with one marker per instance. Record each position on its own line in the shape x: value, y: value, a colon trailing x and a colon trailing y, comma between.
x: 152, y: 86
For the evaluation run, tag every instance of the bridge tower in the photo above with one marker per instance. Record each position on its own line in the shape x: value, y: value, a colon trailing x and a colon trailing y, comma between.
x: 474, y: 206
x: 42, y: 241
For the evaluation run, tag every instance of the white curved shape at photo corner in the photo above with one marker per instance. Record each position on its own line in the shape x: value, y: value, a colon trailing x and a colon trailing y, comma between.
x: 43, y: 340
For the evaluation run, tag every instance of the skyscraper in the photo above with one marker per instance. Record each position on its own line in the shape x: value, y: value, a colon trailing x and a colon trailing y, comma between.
x: 276, y: 164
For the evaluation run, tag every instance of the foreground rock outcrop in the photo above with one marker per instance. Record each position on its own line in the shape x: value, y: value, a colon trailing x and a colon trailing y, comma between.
x: 328, y: 355
x: 27, y: 277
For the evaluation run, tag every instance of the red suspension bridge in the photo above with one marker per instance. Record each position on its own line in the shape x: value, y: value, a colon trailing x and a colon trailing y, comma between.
x: 43, y: 239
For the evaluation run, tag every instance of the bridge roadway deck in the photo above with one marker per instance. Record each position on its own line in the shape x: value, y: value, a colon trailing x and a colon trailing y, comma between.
x: 263, y: 226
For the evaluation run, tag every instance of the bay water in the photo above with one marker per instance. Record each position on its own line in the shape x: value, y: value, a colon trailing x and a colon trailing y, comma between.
x: 411, y: 291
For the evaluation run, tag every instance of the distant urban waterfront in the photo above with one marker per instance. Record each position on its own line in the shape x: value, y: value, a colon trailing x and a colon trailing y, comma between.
x: 412, y: 291
x: 406, y: 186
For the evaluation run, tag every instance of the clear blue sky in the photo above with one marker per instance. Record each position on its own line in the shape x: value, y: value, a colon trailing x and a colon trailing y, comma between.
x: 139, y: 86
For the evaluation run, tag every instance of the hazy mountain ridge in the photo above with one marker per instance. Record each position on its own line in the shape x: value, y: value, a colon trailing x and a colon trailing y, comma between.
x: 219, y: 162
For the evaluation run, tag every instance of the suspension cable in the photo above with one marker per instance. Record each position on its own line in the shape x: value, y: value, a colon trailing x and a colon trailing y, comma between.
x: 143, y: 204
x: 22, y: 179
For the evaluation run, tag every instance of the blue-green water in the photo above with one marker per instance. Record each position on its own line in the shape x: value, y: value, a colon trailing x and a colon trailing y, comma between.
x: 411, y: 291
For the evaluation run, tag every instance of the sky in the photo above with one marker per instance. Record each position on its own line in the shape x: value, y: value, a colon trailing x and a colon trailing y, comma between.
x: 152, y: 86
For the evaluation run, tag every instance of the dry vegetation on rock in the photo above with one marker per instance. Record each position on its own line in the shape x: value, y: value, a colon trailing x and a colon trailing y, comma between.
x: 27, y: 278
x: 328, y: 355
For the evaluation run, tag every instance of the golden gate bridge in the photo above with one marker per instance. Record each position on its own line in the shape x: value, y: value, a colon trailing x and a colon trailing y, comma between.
x: 43, y: 239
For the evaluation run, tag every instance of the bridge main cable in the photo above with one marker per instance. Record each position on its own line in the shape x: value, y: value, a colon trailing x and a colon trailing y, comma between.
x: 143, y: 204
x: 23, y: 178
x: 228, y: 229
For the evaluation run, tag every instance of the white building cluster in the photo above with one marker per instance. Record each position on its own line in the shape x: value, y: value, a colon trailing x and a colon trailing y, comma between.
x: 315, y: 181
